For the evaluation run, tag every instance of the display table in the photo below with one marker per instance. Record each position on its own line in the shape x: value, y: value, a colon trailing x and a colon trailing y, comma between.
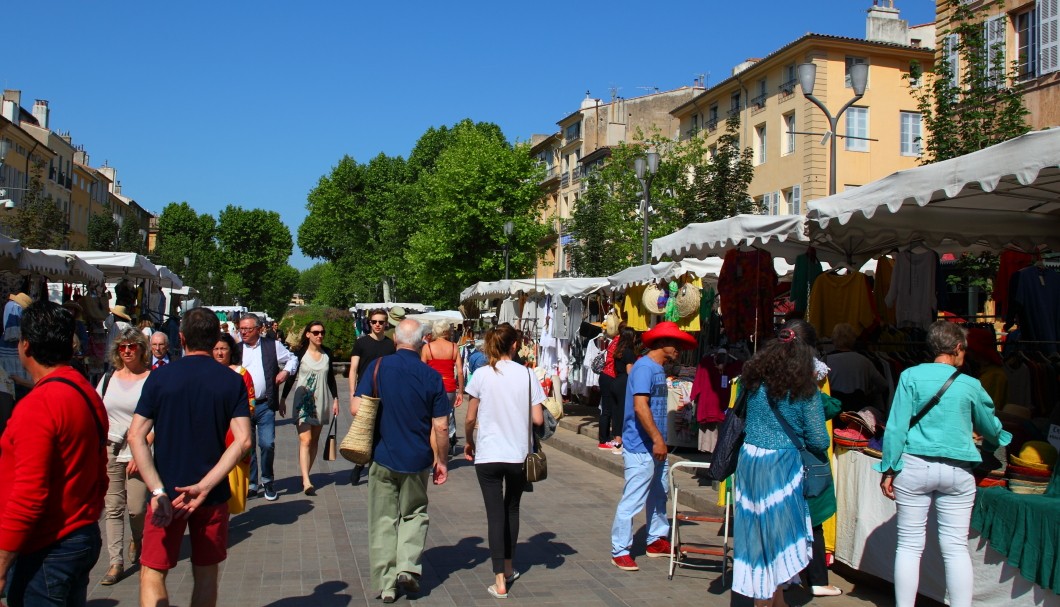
x: 866, y: 539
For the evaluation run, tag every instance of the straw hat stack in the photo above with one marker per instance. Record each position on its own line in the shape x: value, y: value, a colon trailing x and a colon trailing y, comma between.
x: 1029, y: 472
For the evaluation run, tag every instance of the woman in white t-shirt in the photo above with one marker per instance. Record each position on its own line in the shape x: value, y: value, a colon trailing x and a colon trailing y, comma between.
x: 504, y: 398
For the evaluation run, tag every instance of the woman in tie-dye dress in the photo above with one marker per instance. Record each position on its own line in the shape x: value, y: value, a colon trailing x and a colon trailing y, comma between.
x: 772, y: 533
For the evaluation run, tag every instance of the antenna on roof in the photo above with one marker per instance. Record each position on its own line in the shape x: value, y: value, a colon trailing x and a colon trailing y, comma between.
x: 650, y: 89
x: 614, y: 93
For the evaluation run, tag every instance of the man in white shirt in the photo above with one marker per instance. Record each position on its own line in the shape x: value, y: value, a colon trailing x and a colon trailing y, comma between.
x: 269, y: 364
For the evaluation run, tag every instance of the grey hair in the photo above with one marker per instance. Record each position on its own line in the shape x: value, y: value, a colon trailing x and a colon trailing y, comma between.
x: 943, y: 337
x: 254, y: 317
x: 843, y: 336
x: 441, y: 328
x: 165, y: 338
x: 409, y: 332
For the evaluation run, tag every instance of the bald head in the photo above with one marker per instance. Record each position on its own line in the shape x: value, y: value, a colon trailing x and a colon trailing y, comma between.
x: 409, y: 335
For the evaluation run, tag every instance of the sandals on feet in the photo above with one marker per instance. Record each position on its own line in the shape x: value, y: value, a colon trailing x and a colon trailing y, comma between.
x: 497, y: 595
x: 826, y: 591
x: 511, y: 578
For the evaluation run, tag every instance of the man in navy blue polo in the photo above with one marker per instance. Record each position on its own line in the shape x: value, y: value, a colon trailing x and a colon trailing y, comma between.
x: 412, y: 438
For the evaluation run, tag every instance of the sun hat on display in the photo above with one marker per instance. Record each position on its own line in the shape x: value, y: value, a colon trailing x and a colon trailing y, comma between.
x: 852, y: 438
x: 396, y: 315
x: 1035, y: 454
x: 1025, y: 471
x: 651, y: 297
x: 1014, y: 413
x: 688, y: 297
x: 983, y: 343
x: 21, y: 299
x: 669, y: 330
x: 869, y: 419
x: 120, y: 312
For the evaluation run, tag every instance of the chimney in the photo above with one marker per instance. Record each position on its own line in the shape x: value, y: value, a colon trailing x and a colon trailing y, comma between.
x: 10, y: 104
x: 117, y: 188
x: 883, y: 24
x: 40, y: 112
x: 81, y: 156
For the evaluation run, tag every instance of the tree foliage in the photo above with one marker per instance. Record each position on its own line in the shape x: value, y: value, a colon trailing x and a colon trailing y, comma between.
x: 253, y: 248
x: 983, y: 104
x: 102, y: 232
x: 37, y: 221
x: 309, y: 281
x: 183, y: 235
x: 130, y: 240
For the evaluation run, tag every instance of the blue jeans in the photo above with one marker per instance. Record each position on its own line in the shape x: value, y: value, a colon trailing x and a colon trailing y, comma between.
x: 645, y: 489
x: 951, y: 486
x: 263, y: 437
x: 56, y: 575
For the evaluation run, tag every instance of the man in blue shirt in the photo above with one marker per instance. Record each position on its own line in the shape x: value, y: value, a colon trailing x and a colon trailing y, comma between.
x: 411, y: 438
x: 644, y: 446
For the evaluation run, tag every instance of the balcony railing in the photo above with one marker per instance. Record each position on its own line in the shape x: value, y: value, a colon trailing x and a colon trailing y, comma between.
x: 576, y: 173
x: 691, y: 133
x: 788, y: 88
x: 711, y: 124
x: 550, y: 173
x: 564, y: 180
x: 760, y: 101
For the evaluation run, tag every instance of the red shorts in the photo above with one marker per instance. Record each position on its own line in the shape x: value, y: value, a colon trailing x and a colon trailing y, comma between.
x: 208, y: 528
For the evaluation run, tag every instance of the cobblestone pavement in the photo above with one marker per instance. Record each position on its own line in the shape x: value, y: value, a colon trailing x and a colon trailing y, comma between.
x: 313, y: 550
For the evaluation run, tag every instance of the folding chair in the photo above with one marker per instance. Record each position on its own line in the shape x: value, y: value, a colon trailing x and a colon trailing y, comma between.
x: 680, y: 550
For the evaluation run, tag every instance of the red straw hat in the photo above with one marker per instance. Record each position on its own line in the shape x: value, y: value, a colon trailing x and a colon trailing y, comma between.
x: 669, y: 330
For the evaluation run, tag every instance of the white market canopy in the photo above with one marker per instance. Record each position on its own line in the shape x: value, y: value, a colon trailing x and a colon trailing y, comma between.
x: 451, y: 316
x: 65, y: 268
x: 9, y: 251
x: 782, y: 236
x: 1007, y: 195
x: 115, y: 265
x: 667, y: 270
x: 168, y: 279
x: 565, y: 287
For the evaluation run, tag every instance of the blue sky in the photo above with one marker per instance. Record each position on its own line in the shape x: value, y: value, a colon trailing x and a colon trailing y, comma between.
x: 250, y: 103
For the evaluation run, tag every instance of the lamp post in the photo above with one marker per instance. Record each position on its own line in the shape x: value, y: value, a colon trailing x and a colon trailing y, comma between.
x: 859, y: 76
x: 646, y: 166
x: 508, y: 228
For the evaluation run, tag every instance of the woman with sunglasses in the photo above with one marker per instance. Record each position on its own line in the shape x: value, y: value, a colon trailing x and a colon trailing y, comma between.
x: 312, y: 408
x: 126, y: 492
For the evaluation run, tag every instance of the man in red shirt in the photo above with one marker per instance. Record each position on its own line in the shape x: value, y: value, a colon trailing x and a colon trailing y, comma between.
x: 53, y: 470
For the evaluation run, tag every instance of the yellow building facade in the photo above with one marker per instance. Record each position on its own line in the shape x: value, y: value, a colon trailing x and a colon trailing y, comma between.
x: 1028, y: 34
x: 878, y: 135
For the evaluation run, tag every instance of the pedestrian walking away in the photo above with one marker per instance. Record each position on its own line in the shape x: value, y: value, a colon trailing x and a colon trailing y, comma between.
x: 126, y: 491
x: 366, y: 349
x: 644, y: 449
x: 53, y: 470
x: 316, y: 397
x: 443, y: 356
x: 269, y: 363
x: 190, y: 405
x: 505, y: 397
x: 411, y: 438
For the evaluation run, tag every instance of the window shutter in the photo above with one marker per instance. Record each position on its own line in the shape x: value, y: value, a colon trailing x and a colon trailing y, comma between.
x: 953, y: 58
x: 994, y: 35
x: 796, y: 200
x: 1048, y: 35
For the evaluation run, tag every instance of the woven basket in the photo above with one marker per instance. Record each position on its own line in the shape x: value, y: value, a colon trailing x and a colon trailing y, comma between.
x: 650, y: 299
x: 688, y: 297
x: 357, y: 445
x: 554, y: 406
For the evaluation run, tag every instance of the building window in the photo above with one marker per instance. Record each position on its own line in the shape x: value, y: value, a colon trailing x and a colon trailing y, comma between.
x: 790, y: 80
x: 760, y: 99
x: 1026, y: 44
x: 994, y: 31
x: 952, y: 58
x: 852, y: 61
x: 574, y: 131
x: 857, y: 129
x: 910, y: 135
x: 760, y: 144
x: 1048, y: 41
x: 792, y: 202
x: 734, y: 103
x: 712, y: 151
x: 789, y: 133
x: 712, y: 117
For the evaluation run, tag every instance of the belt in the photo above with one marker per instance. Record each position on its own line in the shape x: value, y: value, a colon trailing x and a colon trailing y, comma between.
x: 258, y: 401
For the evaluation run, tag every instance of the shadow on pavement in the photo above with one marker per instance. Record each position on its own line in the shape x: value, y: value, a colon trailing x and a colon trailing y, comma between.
x: 541, y: 550
x: 324, y: 595
x: 262, y: 514
x: 444, y: 561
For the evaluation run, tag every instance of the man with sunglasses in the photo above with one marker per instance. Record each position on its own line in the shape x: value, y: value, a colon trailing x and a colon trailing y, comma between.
x: 366, y: 349
x: 269, y: 363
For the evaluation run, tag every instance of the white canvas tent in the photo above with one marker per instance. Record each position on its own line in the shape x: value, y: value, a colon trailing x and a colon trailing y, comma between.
x: 62, y: 268
x: 168, y: 279
x: 782, y: 236
x: 115, y: 265
x: 566, y: 287
x: 1007, y: 195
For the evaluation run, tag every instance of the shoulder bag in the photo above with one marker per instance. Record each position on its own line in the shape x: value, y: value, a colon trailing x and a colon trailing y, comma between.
x: 934, y: 400
x: 730, y: 440
x: 816, y: 469
x: 357, y: 445
x: 536, y: 465
x: 330, y: 443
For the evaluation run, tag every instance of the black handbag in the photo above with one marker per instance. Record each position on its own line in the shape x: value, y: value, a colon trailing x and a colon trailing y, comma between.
x: 816, y: 469
x: 730, y: 440
x: 535, y: 465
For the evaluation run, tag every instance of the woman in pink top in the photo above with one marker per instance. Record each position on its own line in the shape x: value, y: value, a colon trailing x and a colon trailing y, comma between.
x: 443, y: 356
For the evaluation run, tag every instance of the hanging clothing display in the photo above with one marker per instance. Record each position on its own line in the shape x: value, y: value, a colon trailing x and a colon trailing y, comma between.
x: 807, y: 269
x: 835, y: 299
x: 881, y: 285
x: 710, y: 395
x: 1009, y: 262
x: 508, y: 313
x: 746, y: 284
x: 913, y: 289
x: 575, y: 315
x: 1035, y: 302
x: 637, y: 318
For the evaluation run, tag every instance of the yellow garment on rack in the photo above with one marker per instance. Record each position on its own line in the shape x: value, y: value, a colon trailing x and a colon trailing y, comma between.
x: 829, y: 525
x: 995, y: 382
x: 835, y: 299
x: 637, y: 318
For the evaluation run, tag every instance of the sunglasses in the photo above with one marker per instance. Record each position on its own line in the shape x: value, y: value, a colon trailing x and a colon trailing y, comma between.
x: 316, y: 332
x: 377, y: 322
x: 247, y: 329
x: 127, y: 347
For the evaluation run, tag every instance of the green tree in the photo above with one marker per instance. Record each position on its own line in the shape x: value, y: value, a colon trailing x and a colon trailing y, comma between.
x: 37, y: 221
x: 187, y: 244
x: 720, y: 189
x: 254, y: 246
x: 973, y: 100
x: 102, y: 232
x: 309, y: 281
x: 129, y: 238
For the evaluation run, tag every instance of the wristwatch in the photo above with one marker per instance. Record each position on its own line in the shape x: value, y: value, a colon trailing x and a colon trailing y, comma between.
x: 158, y: 492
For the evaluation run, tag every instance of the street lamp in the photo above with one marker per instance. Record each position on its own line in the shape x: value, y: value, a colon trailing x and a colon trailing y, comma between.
x: 859, y: 76
x: 646, y: 166
x: 508, y: 228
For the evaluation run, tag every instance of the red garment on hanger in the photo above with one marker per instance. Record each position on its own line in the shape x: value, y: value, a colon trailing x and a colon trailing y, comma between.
x: 1009, y: 263
x: 746, y: 284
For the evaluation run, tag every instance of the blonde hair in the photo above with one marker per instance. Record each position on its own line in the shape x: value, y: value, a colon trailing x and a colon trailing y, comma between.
x: 440, y: 329
x: 129, y: 334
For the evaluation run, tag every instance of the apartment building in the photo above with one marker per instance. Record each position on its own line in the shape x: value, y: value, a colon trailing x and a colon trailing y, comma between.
x: 878, y: 135
x: 584, y: 140
x: 1027, y: 32
x: 19, y: 150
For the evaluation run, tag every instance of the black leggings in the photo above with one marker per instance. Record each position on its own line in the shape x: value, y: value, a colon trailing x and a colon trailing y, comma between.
x: 502, y: 507
x: 612, y: 406
x: 817, y: 571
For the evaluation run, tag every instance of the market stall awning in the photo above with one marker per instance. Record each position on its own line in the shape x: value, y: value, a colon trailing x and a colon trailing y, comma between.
x: 566, y: 287
x: 168, y: 279
x: 452, y: 316
x: 667, y: 270
x: 1007, y: 195
x: 486, y: 290
x: 9, y: 251
x: 115, y: 265
x: 64, y: 268
x: 783, y: 236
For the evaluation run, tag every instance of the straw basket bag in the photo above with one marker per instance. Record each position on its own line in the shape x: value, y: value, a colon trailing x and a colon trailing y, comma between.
x: 688, y: 300
x: 650, y: 299
x: 357, y: 445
